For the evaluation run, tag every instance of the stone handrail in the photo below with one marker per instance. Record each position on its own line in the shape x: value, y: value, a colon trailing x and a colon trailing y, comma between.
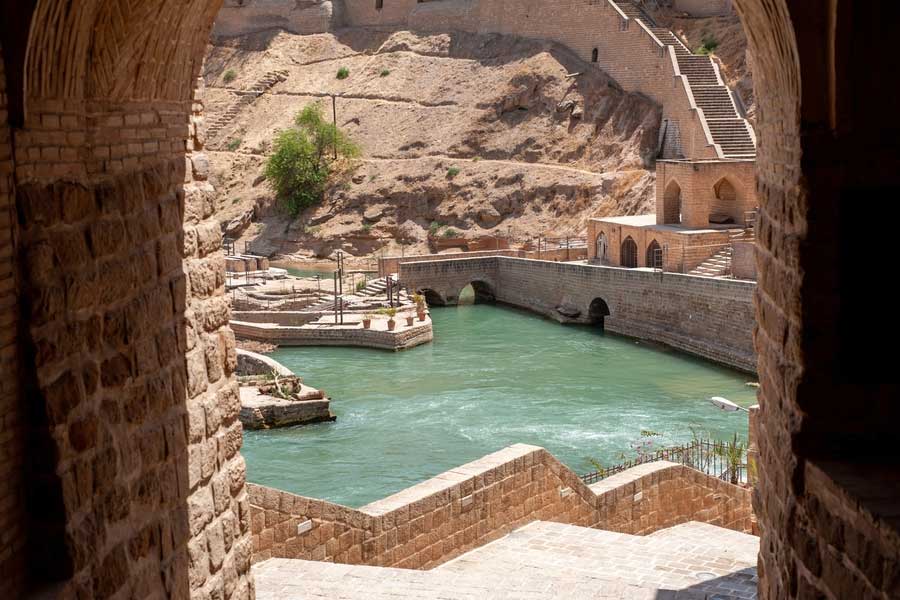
x: 468, y: 506
x: 698, y: 114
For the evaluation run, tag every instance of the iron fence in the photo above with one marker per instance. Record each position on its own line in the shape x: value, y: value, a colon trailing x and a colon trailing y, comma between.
x: 724, y: 460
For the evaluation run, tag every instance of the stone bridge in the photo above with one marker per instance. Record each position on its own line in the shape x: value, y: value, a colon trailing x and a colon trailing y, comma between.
x: 711, y: 318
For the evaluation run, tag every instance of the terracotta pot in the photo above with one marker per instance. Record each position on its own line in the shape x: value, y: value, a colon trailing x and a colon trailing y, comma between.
x: 409, y: 321
x: 421, y: 314
x: 391, y: 325
x: 367, y: 323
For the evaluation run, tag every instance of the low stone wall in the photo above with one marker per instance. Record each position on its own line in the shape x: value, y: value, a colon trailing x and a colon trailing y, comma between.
x: 291, y: 318
x: 710, y: 318
x: 401, y: 338
x: 466, y: 507
x: 251, y: 363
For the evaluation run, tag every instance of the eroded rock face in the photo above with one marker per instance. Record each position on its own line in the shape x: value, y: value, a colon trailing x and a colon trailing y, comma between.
x: 485, y: 134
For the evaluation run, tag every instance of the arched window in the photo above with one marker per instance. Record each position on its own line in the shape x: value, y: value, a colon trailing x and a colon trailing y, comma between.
x: 629, y: 253
x: 602, y: 248
x: 595, y: 55
x: 671, y: 207
x: 654, y: 255
x: 724, y: 208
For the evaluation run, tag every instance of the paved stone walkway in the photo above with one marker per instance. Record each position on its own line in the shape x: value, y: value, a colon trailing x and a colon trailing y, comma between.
x: 544, y: 560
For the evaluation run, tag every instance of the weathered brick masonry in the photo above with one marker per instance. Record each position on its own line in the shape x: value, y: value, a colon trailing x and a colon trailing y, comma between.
x: 712, y: 318
x: 475, y: 503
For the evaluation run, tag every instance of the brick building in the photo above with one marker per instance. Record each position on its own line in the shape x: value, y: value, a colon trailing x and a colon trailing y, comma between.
x: 119, y: 443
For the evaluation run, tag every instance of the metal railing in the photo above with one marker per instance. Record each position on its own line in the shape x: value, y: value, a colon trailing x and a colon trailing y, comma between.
x: 723, y: 460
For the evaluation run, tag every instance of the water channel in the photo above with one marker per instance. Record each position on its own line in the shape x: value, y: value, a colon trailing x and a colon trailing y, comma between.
x: 494, y: 376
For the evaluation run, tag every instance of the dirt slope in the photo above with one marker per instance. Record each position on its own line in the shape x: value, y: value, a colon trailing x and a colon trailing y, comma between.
x: 541, y: 141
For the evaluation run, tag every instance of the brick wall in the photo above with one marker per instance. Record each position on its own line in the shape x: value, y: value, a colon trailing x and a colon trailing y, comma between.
x: 698, y: 180
x: 711, y: 318
x: 12, y: 442
x: 469, y: 506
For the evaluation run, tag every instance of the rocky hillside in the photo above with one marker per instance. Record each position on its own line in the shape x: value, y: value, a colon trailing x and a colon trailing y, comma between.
x: 481, y: 134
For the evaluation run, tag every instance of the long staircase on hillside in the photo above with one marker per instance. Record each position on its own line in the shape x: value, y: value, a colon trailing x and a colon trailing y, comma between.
x: 728, y: 128
x: 543, y: 560
x: 244, y: 98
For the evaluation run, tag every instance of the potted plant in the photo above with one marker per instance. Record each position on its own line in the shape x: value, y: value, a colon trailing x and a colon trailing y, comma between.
x: 409, y: 320
x: 419, y: 299
x: 367, y: 321
x: 391, y: 313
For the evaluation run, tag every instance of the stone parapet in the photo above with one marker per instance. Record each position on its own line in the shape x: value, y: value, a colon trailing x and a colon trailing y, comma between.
x: 468, y: 506
x: 401, y: 338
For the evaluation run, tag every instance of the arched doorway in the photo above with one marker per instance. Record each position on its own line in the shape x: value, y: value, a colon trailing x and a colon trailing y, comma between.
x: 602, y: 248
x: 724, y: 208
x: 671, y: 208
x: 654, y: 255
x: 598, y: 311
x: 628, y: 256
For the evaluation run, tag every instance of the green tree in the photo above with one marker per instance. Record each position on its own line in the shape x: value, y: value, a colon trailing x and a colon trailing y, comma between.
x: 302, y: 157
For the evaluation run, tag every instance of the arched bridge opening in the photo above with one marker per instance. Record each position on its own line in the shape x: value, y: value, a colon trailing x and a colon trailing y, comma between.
x: 598, y: 311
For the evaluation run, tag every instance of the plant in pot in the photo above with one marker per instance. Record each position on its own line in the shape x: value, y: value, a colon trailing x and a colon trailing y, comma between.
x: 391, y: 313
x: 409, y: 320
x: 419, y: 299
x: 367, y: 321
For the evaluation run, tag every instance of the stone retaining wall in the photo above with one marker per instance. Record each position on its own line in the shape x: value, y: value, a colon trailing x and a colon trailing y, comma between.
x: 710, y: 318
x: 400, y: 339
x: 466, y: 507
x: 251, y: 363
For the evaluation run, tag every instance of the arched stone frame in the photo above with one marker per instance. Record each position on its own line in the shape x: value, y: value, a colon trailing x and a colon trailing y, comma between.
x: 135, y: 437
x: 628, y: 257
x: 725, y: 202
x: 433, y: 297
x: 484, y: 291
x: 672, y: 201
x: 654, y: 255
x: 598, y: 310
x: 602, y: 248
x: 595, y: 55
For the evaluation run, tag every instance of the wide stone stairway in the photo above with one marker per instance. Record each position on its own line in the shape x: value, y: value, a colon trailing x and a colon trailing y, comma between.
x: 692, y: 561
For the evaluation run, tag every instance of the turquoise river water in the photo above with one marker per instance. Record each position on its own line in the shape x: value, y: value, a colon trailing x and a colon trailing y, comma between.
x: 494, y: 376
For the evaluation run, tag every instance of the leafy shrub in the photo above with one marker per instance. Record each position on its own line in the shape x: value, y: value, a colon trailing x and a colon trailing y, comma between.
x: 450, y: 233
x: 367, y: 227
x: 360, y: 286
x: 709, y: 45
x: 234, y: 144
x: 300, y: 164
x: 343, y: 73
x: 385, y: 72
x: 229, y: 76
x: 452, y: 172
x: 434, y: 228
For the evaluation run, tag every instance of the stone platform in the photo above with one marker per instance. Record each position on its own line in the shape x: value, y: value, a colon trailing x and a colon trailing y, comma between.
x: 260, y: 411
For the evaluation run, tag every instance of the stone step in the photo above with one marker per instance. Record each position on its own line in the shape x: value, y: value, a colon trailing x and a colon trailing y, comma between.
x: 543, y: 560
x: 568, y: 550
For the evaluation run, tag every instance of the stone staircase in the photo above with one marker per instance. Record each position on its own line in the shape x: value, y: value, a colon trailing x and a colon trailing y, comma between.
x: 244, y: 99
x: 692, y: 561
x: 717, y: 265
x: 376, y: 289
x: 728, y: 129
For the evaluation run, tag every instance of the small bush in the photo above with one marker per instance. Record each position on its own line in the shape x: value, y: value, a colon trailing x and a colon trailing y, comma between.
x: 452, y: 172
x: 709, y: 45
x: 385, y: 72
x: 360, y: 286
x: 343, y: 73
x: 476, y: 158
x: 234, y: 144
x: 434, y: 228
x: 367, y: 227
x: 229, y: 76
x: 451, y: 233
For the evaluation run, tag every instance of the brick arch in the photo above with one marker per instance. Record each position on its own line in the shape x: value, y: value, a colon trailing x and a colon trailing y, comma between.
x: 672, y: 201
x: 628, y: 253
x: 484, y: 291
x: 654, y: 257
x: 127, y: 371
